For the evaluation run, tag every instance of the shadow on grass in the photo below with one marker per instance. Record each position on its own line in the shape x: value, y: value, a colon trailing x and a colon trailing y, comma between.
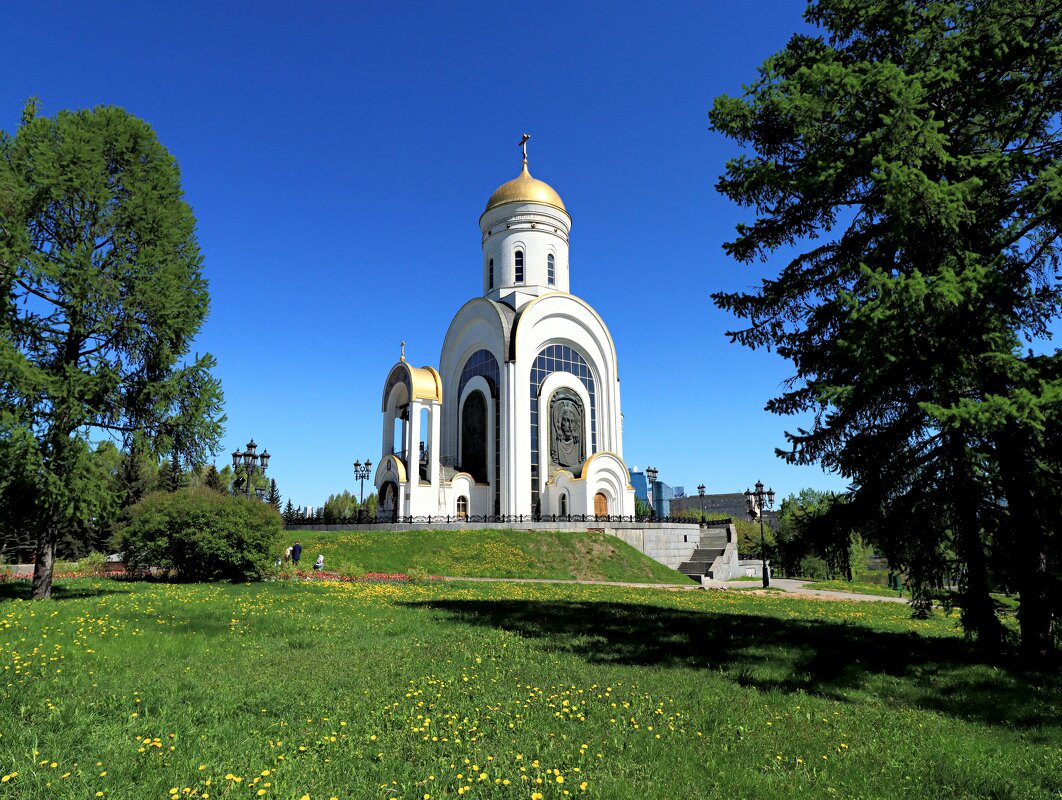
x: 828, y: 659
x: 20, y: 589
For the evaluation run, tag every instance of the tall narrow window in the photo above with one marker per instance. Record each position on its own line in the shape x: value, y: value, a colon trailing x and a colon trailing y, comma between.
x: 462, y: 507
x: 519, y: 263
x: 551, y: 274
x: 490, y: 275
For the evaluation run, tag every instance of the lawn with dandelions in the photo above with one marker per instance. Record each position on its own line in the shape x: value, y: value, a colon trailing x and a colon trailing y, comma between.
x: 297, y: 689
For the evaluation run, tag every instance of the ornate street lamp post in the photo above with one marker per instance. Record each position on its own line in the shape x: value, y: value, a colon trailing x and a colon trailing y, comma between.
x: 700, y: 491
x: 651, y: 473
x: 251, y: 462
x: 758, y: 502
x: 361, y: 473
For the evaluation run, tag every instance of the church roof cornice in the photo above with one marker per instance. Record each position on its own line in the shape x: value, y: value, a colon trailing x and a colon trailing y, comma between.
x: 522, y: 313
x: 506, y: 317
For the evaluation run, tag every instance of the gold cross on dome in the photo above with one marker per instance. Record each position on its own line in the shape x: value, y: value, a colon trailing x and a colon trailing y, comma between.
x: 523, y: 145
x: 403, y: 357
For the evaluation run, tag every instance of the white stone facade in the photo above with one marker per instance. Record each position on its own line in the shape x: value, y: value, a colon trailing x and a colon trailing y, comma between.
x: 473, y: 438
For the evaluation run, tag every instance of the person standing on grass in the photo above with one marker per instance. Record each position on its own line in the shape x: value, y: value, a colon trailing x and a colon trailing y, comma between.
x: 287, y: 555
x: 319, y: 563
x: 296, y: 553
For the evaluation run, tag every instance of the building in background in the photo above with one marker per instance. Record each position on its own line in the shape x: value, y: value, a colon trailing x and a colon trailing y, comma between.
x: 640, y: 484
x: 732, y: 505
x: 662, y: 498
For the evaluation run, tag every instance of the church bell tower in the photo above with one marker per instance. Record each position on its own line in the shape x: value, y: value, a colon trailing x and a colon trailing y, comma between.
x: 525, y: 231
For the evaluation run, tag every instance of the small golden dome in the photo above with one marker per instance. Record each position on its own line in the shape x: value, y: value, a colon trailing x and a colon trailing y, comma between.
x: 525, y: 189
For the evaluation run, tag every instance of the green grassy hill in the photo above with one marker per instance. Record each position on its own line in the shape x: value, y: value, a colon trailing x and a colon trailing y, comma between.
x: 483, y: 554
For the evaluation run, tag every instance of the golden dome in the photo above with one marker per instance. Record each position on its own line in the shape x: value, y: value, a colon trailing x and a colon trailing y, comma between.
x: 525, y: 189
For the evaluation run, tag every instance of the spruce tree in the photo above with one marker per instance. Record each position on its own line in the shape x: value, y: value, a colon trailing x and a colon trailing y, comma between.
x: 273, y: 498
x: 174, y: 478
x: 910, y: 156
x: 212, y: 480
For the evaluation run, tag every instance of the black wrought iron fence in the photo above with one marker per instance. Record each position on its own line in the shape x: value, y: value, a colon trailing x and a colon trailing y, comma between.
x: 363, y: 518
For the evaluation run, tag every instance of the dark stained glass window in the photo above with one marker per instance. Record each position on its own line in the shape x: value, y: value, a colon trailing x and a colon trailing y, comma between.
x: 558, y: 358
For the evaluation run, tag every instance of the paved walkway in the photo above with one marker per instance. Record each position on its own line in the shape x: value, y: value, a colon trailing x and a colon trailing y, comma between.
x: 805, y: 587
x: 785, y: 584
x: 677, y: 587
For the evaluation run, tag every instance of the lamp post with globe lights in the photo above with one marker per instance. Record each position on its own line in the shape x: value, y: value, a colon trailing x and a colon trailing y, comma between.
x: 252, y: 463
x: 362, y: 473
x: 758, y: 502
x: 651, y: 473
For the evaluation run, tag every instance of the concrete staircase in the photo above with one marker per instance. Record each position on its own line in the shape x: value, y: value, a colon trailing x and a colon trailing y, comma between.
x: 712, y: 545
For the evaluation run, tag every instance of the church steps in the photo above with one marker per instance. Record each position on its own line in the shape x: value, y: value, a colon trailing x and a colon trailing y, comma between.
x: 711, y: 546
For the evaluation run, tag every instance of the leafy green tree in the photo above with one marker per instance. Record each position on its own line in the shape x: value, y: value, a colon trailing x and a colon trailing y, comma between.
x: 910, y: 157
x: 99, y: 471
x: 815, y: 527
x: 242, y: 484
x: 201, y: 535
x: 340, y: 508
x: 101, y: 293
x: 368, y: 508
x: 273, y: 498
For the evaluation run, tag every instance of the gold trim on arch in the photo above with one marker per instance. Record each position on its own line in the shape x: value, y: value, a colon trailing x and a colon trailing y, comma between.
x: 425, y: 383
x: 586, y: 464
x: 399, y: 470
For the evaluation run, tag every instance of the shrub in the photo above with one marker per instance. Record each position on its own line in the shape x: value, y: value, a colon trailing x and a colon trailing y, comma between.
x: 92, y: 564
x: 198, y: 534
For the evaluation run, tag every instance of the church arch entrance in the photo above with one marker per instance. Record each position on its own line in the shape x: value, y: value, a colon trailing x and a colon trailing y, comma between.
x: 600, y: 505
x: 388, y: 507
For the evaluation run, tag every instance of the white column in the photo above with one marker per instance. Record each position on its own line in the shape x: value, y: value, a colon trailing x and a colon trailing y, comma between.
x: 434, y: 446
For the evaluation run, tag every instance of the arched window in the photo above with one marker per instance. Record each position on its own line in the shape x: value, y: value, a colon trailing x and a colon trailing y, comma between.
x: 474, y: 436
x: 462, y: 507
x: 490, y: 274
x: 551, y: 274
x: 519, y: 264
x: 563, y: 497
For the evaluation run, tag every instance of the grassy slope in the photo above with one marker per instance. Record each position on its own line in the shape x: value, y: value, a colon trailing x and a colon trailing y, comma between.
x: 483, y: 554
x: 136, y: 690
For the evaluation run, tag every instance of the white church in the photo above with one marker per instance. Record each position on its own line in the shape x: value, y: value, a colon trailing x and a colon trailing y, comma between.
x: 522, y: 416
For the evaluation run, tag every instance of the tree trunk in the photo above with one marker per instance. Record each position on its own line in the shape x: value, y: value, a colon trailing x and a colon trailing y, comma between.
x: 1029, y: 546
x: 978, y: 609
x: 44, y: 564
x: 1034, y: 611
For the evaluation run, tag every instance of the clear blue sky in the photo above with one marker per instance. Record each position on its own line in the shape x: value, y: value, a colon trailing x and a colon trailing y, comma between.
x: 338, y: 156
